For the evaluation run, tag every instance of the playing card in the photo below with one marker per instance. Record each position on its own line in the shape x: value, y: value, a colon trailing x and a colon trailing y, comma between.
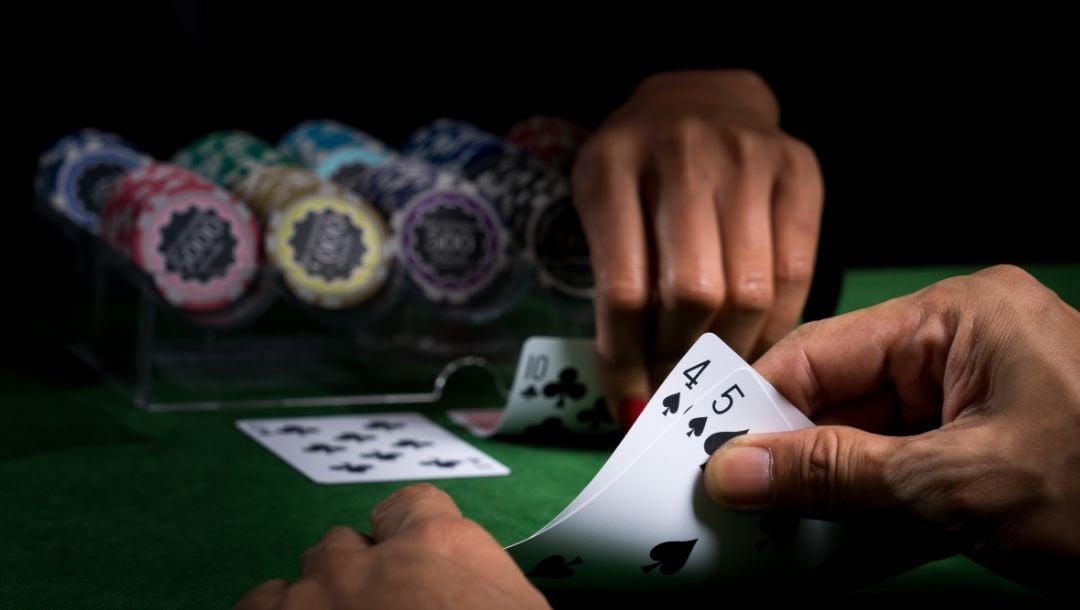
x: 652, y: 526
x: 555, y: 393
x: 366, y: 448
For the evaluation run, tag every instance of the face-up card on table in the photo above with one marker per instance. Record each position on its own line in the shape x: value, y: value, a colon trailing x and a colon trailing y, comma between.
x: 650, y: 525
x: 555, y: 392
x: 369, y: 448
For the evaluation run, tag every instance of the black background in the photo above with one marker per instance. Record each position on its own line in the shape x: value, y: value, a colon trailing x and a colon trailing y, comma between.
x: 943, y: 139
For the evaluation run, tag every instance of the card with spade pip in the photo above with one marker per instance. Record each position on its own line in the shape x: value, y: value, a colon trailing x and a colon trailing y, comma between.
x: 555, y: 393
x: 369, y: 448
x: 645, y: 522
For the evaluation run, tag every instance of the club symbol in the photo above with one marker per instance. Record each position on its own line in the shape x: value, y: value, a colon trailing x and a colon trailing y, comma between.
x: 555, y: 566
x: 384, y: 425
x: 670, y: 557
x: 297, y: 430
x: 379, y: 455
x: 323, y: 448
x: 415, y: 444
x: 567, y: 386
x: 530, y: 392
x: 355, y: 437
x: 596, y: 416
x: 441, y: 463
x: 353, y: 468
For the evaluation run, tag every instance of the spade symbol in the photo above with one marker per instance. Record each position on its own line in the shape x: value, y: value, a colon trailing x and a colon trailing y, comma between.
x: 719, y: 438
x: 697, y: 426
x: 379, y: 455
x: 354, y: 436
x: 670, y: 557
x: 671, y: 404
x: 530, y: 392
x: 353, y: 468
x: 554, y: 566
x: 566, y: 387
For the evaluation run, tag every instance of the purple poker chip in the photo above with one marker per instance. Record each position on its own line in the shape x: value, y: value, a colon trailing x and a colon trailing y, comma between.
x: 451, y: 243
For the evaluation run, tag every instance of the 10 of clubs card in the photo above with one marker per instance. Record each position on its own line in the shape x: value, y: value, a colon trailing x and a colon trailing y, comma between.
x: 369, y: 448
x: 555, y: 393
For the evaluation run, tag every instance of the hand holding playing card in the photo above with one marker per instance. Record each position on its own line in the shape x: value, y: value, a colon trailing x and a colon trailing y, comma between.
x: 992, y: 361
x: 421, y: 554
x: 697, y: 206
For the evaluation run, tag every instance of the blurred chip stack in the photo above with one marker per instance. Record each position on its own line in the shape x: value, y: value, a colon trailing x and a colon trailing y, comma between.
x: 77, y: 174
x: 197, y: 242
x: 225, y: 157
x: 450, y: 237
x: 554, y: 140
x: 532, y: 197
x: 333, y: 150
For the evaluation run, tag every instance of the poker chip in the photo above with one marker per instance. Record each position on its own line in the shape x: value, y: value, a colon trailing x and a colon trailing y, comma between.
x: 333, y: 251
x: 77, y: 174
x: 226, y: 157
x: 554, y: 140
x: 327, y: 146
x: 270, y: 188
x: 557, y: 247
x: 199, y: 244
x: 451, y: 243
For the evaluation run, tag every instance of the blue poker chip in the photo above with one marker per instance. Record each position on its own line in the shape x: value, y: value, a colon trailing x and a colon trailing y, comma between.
x: 399, y: 180
x: 312, y: 141
x: 77, y: 174
x: 347, y: 165
x: 455, y: 145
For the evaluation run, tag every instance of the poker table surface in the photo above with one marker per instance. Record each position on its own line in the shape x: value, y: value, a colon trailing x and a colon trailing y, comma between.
x: 103, y: 505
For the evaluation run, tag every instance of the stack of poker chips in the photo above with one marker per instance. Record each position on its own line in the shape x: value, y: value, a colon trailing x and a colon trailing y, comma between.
x: 198, y: 243
x: 332, y: 247
x: 77, y: 174
x: 225, y: 157
x: 554, y: 140
x: 450, y: 237
x: 532, y: 197
x: 333, y: 150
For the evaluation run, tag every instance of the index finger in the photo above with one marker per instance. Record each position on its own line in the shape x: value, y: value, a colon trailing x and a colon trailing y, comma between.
x: 608, y: 201
x: 896, y: 347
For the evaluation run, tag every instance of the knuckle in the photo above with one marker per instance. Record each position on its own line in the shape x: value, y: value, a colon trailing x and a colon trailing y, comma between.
x: 621, y: 294
x: 820, y: 464
x: 752, y: 294
x: 796, y: 269
x: 680, y: 139
x: 743, y: 143
x: 692, y: 292
x: 440, y: 533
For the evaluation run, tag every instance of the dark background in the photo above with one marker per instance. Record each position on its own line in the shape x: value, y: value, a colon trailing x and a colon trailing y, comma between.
x: 943, y: 139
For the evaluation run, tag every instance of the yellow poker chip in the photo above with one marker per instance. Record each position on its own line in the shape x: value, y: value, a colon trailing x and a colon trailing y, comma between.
x: 333, y: 252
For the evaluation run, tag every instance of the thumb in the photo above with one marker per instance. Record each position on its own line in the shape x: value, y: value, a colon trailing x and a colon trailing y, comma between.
x: 823, y: 472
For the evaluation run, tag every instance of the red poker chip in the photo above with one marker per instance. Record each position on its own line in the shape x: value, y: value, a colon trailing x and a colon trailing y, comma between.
x: 199, y: 244
x: 551, y: 139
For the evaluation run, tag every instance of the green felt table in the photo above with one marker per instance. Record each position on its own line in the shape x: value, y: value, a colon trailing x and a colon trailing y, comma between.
x: 106, y: 506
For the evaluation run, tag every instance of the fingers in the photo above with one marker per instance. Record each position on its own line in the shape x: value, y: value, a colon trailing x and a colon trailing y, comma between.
x: 824, y: 472
x: 266, y: 596
x: 743, y: 202
x: 797, y: 205
x: 896, y: 344
x: 426, y: 517
x: 337, y: 543
x: 690, y: 272
x: 606, y: 196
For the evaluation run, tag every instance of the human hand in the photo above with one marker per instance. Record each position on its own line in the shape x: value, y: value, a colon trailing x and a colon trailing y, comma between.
x: 421, y: 554
x: 983, y: 375
x: 701, y: 214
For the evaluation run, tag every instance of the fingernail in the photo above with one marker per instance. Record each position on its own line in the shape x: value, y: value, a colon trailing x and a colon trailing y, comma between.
x: 629, y: 410
x: 745, y: 476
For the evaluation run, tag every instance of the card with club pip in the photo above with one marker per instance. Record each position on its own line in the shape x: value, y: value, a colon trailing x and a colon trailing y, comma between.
x: 555, y: 393
x: 369, y: 448
x: 645, y: 522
